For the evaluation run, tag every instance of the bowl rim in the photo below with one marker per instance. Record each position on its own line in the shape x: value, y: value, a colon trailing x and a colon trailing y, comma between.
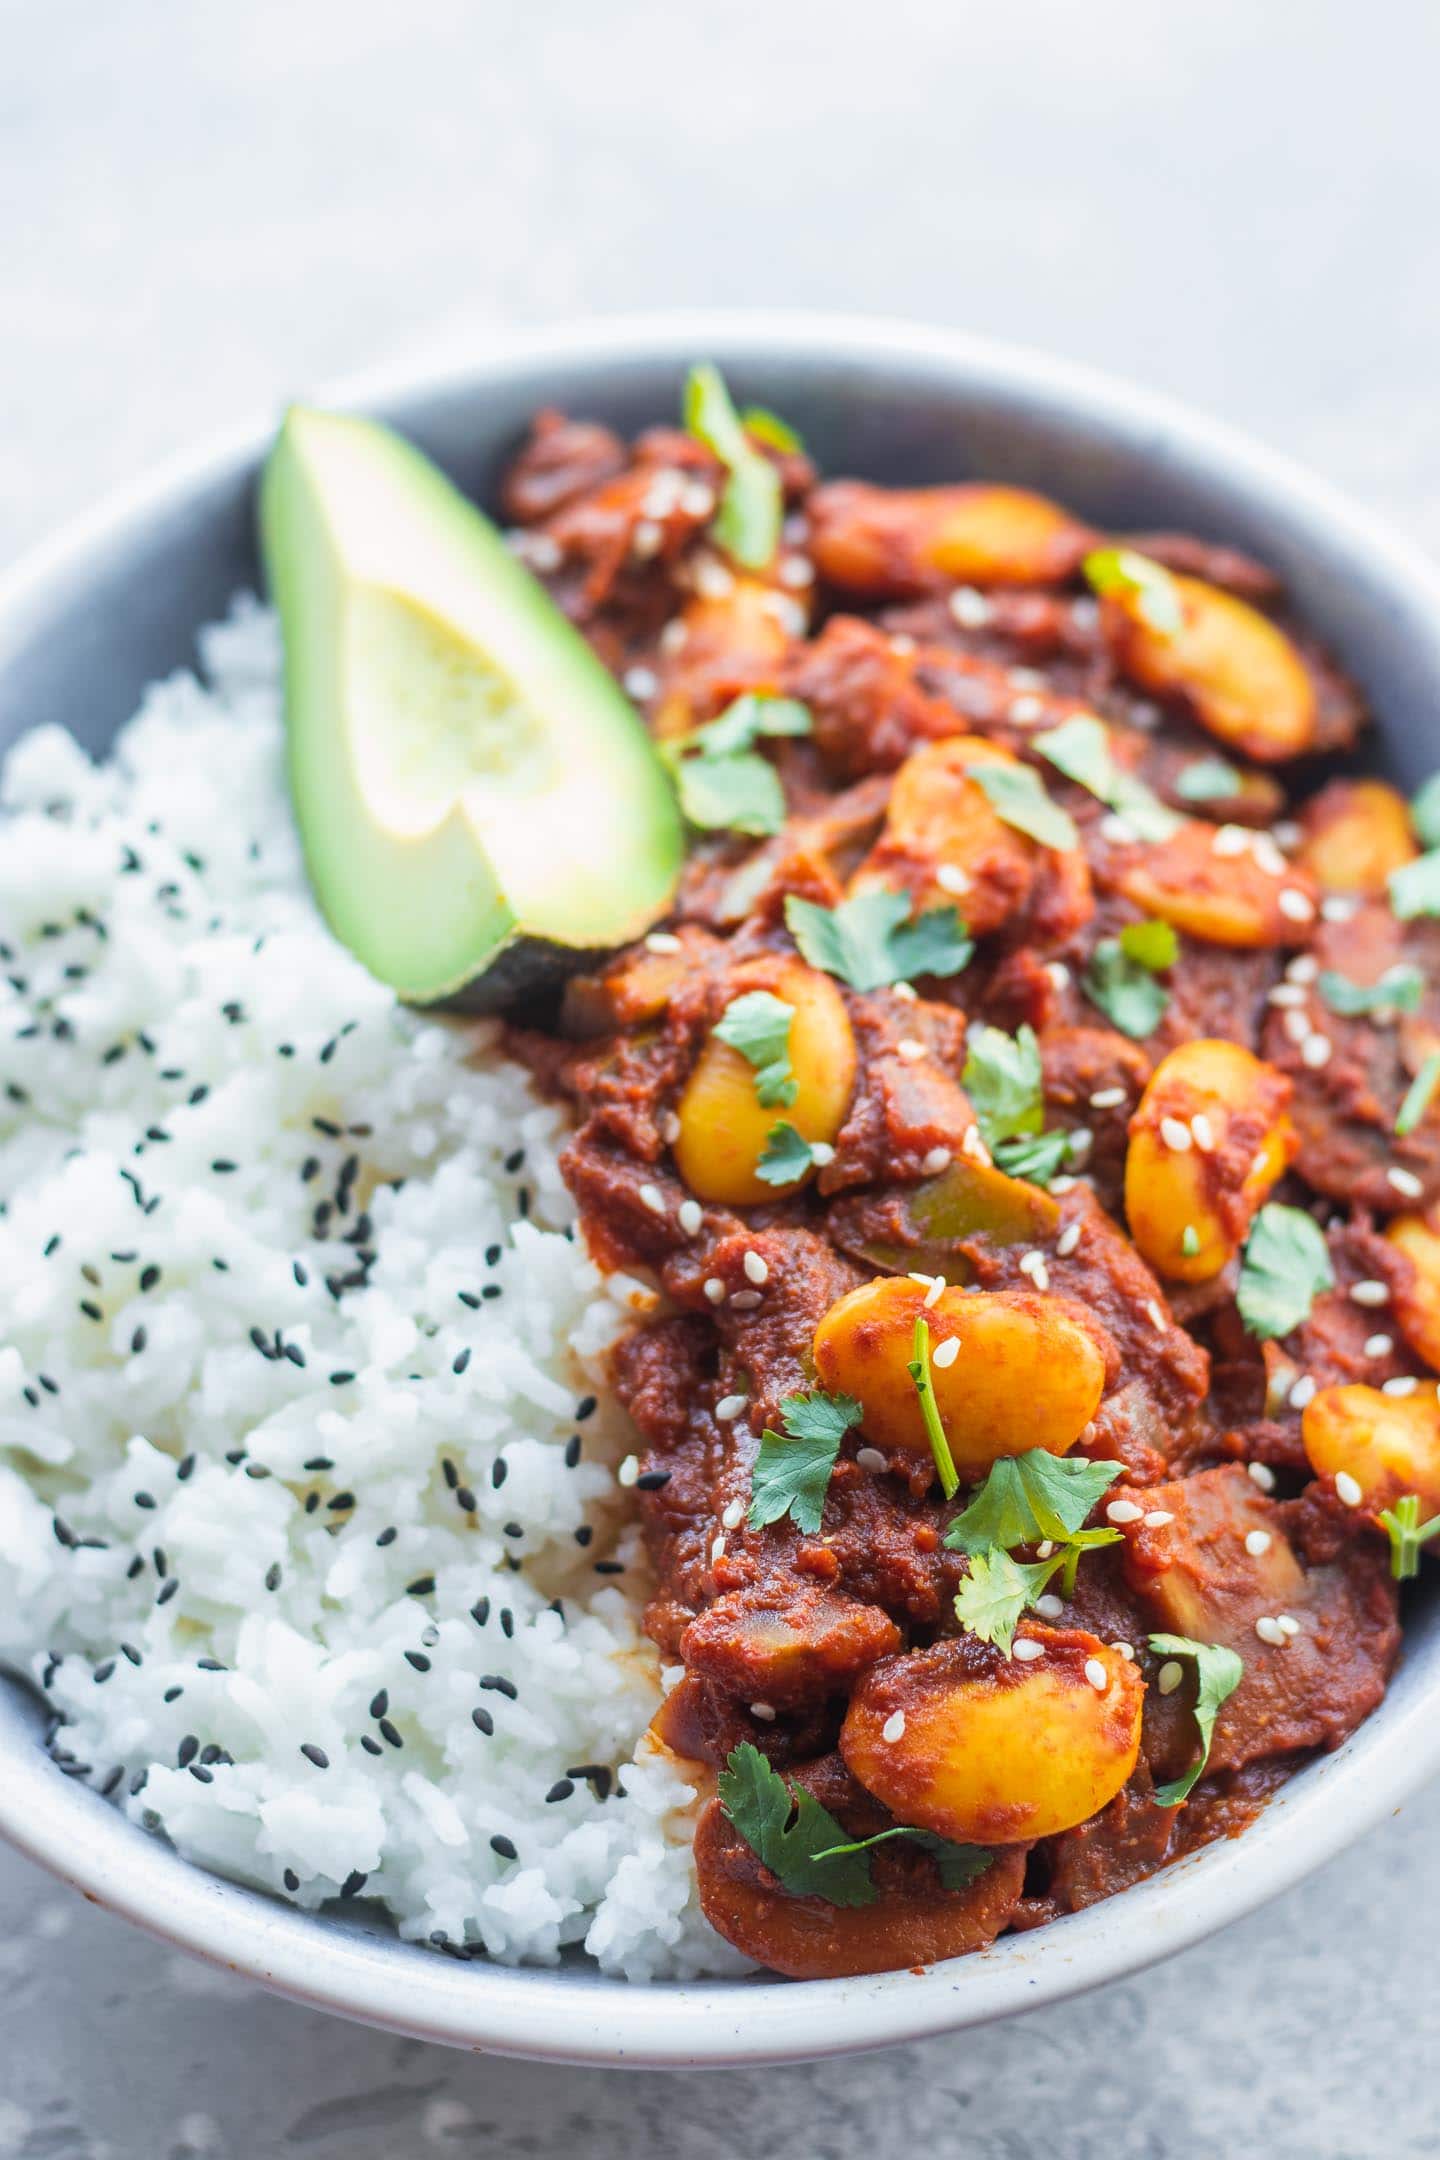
x: 537, y: 2012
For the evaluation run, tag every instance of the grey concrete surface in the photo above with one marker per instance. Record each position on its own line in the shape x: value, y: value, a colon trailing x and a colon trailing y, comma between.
x: 205, y: 208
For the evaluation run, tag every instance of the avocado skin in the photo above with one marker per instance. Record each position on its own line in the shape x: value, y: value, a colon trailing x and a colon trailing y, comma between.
x: 471, y: 845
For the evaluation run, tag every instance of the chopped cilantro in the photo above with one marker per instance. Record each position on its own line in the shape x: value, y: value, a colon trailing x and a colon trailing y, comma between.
x: 747, y: 524
x: 768, y: 427
x: 959, y: 1865
x: 919, y: 1370
x: 1407, y: 1534
x: 1208, y: 779
x: 1080, y: 748
x: 1125, y: 570
x: 1218, y: 1672
x: 745, y: 721
x: 997, y: 1591
x: 758, y: 1026
x: 1419, y: 1095
x: 1004, y: 1082
x: 787, y: 1828
x: 1017, y: 794
x: 1284, y: 1267
x: 1415, y: 887
x: 1037, y: 1159
x: 786, y: 1156
x: 792, y: 1469
x: 1154, y: 944
x: 1028, y: 1498
x: 1425, y: 813
x: 1125, y: 989
x: 1400, y: 986
x: 731, y: 794
x: 870, y: 940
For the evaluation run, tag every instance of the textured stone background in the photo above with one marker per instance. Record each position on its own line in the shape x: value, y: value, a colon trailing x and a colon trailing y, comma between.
x: 203, y: 209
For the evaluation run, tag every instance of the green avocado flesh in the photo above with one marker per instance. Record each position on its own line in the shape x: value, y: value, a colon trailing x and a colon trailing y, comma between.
x: 480, y: 806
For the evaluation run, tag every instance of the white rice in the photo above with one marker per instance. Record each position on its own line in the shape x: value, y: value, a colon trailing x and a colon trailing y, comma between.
x: 189, y: 1067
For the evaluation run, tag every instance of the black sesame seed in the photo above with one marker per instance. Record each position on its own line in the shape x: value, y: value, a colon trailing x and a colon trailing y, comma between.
x: 371, y: 1747
x: 514, y: 1529
x: 90, y: 1310
x: 144, y: 1500
x: 583, y: 1535
x: 168, y: 1590
x: 492, y: 1290
x: 492, y: 1255
x: 138, y: 1341
x: 422, y: 1586
x: 312, y: 1501
x: 609, y: 1567
x: 209, y: 1664
x: 201, y: 1775
x: 497, y: 1684
x: 652, y: 1480
x: 341, y: 1502
x: 449, y: 1472
x: 507, y: 1623
x: 301, y: 1274
x: 499, y: 1471
x: 482, y: 1720
x: 222, y: 1166
x: 503, y: 1846
x: 470, y: 1298
x: 560, y: 1790
x: 341, y: 1379
x: 389, y: 1733
x: 418, y: 1659
x: 316, y: 1755
x: 460, y: 1363
x: 353, y: 1884
x: 102, y: 1672
x: 572, y: 1451
x: 188, y: 1749
x: 380, y: 1703
x: 387, y: 1536
x: 319, y: 1462
x: 291, y: 1880
x: 466, y: 1499
x: 149, y: 1276
x: 480, y: 1611
x: 272, y: 1576
x: 514, y: 1160
x: 585, y: 1408
x: 128, y: 1650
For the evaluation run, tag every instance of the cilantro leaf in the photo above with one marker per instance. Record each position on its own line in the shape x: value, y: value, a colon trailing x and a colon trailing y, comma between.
x: 919, y: 1370
x: 1419, y: 1095
x: 1028, y: 1498
x: 1154, y: 944
x: 1017, y: 794
x: 747, y: 524
x: 786, y: 1156
x: 1425, y: 813
x: 1080, y: 748
x: 1208, y: 779
x: 768, y: 427
x: 1218, y: 1672
x: 746, y: 720
x: 997, y: 1591
x: 1125, y: 570
x: 1125, y: 990
x: 1407, y: 1534
x: 758, y: 1026
x: 1036, y: 1160
x: 869, y: 941
x: 1283, y: 1269
x: 1400, y: 986
x: 1004, y: 1082
x: 792, y: 1469
x: 731, y: 794
x: 959, y: 1865
x: 1415, y: 887
x: 788, y: 1830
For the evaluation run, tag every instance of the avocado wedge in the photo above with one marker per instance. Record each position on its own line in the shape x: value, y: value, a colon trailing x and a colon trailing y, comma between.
x: 480, y: 806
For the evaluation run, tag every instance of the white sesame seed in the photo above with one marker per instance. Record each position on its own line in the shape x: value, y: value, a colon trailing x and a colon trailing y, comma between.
x: 641, y: 682
x: 1296, y: 1025
x: 717, y: 1549
x: 1059, y: 1186
x: 916, y: 1275
x: 821, y: 1153
x: 1257, y: 1542
x: 907, y: 991
x: 1270, y: 1631
x: 1287, y: 993
x: 662, y: 941
x: 951, y: 878
x: 1303, y: 968
x: 746, y: 1301
x: 1169, y: 1676
x: 1230, y: 840
x: 1268, y: 856
x: 690, y: 1215
x: 712, y: 580
x: 1027, y: 1650
x: 1402, y: 1384
x: 796, y: 573
x: 734, y: 1515
x: 1203, y: 1133
x: 1294, y: 905
x: 1068, y: 1239
x: 1117, y: 828
x: 1107, y: 1098
x: 1124, y: 1649
x: 938, y: 1159
x: 1302, y: 1392
x: 1287, y: 1624
x: 1404, y: 1182
x: 902, y: 646
x: 669, y: 1129
x: 664, y: 493
x: 756, y: 1269
x: 945, y: 1353
x: 1287, y: 834
x: 652, y: 1198
x: 870, y: 1458
x: 674, y: 636
x: 1379, y: 1345
x: 1027, y: 678
x: 628, y: 1471
x: 1044, y: 1549
x: 1025, y: 711
x: 1058, y: 973
x: 730, y: 1406
x: 1175, y: 1134
x: 935, y: 1292
x: 764, y: 1711
x: 787, y: 612
x: 1370, y: 1292
x: 1339, y: 907
x: 1156, y: 1318
x: 646, y: 540
x: 714, y: 1289
x: 974, y: 1147
x: 1316, y: 1051
x: 1123, y: 1511
x: 1262, y: 1475
x: 1347, y: 1489
x: 1049, y: 1606
x: 1096, y: 1674
x: 894, y: 1726
x: 1078, y: 1146
x: 910, y: 1049
x: 1156, y: 1518
x: 696, y: 499
x: 970, y: 608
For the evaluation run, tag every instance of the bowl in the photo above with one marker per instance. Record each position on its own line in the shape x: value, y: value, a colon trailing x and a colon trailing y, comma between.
x: 113, y: 603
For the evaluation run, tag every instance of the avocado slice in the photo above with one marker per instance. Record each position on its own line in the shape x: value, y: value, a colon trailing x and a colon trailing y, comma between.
x: 480, y: 806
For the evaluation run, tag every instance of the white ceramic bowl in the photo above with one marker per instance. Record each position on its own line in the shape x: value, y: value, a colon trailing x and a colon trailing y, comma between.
x: 113, y: 603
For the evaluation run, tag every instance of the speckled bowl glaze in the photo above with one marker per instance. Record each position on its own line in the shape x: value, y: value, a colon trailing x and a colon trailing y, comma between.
x: 115, y: 601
